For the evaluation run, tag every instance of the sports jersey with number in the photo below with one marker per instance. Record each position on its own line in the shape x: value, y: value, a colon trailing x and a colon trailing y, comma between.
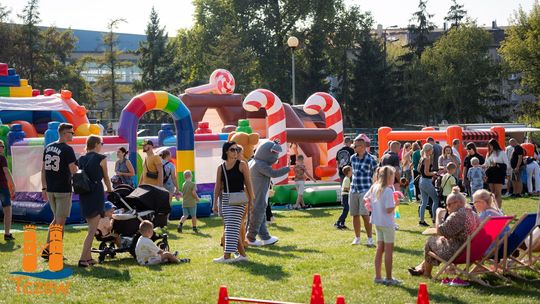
x: 56, y: 159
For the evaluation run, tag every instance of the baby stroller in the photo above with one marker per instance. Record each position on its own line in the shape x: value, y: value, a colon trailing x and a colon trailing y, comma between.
x: 147, y: 202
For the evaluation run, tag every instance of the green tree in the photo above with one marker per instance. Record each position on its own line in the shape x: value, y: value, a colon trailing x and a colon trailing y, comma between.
x: 370, y: 86
x: 462, y: 74
x: 30, y: 42
x: 456, y: 13
x: 421, y: 29
x: 350, y: 25
x: 110, y: 62
x: 520, y: 49
x: 156, y: 59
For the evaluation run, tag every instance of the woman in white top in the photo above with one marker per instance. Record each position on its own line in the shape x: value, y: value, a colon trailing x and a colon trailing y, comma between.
x: 496, y: 163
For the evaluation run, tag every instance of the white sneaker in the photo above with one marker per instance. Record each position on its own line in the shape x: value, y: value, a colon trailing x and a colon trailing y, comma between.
x: 272, y: 240
x: 356, y: 241
x: 370, y: 242
x: 223, y: 260
x: 241, y: 258
x: 257, y: 243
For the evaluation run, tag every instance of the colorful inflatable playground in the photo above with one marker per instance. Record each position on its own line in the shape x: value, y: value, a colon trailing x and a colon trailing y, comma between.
x: 30, y: 119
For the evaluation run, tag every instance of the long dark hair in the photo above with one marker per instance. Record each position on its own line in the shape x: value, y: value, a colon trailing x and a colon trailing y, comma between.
x: 495, y: 144
x: 225, y: 148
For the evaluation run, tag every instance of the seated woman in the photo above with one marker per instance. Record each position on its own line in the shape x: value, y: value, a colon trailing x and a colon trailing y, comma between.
x: 486, y: 205
x: 451, y: 234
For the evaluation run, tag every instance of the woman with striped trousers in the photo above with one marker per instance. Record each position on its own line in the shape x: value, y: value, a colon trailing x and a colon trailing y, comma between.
x: 237, y: 172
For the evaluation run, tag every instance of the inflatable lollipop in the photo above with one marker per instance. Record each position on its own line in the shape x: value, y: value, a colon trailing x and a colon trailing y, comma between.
x: 221, y: 82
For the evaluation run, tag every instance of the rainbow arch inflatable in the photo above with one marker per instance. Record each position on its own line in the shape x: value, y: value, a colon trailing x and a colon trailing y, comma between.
x: 160, y: 100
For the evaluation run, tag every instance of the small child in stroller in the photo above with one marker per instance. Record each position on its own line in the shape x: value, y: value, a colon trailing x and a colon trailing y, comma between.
x: 148, y: 253
x: 105, y: 225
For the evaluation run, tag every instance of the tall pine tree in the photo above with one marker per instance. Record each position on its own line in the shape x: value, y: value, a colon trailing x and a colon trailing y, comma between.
x: 456, y: 13
x: 156, y: 59
x: 420, y: 29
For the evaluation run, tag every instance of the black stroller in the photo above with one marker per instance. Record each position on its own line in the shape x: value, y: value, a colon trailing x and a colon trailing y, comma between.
x: 146, y: 202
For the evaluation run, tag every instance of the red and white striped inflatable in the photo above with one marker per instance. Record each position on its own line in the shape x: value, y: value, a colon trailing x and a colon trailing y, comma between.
x: 275, y: 120
x: 325, y: 102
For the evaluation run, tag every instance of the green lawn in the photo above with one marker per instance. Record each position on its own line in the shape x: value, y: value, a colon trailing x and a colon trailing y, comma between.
x: 308, y: 244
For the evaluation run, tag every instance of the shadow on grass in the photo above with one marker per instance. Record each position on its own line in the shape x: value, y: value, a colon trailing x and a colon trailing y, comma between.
x: 281, y: 228
x: 433, y: 296
x: 281, y: 251
x: 413, y: 252
x: 270, y: 272
x: 9, y: 247
x: 100, y: 272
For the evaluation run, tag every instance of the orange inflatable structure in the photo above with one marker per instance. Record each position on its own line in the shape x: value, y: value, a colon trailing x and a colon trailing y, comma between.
x: 386, y: 135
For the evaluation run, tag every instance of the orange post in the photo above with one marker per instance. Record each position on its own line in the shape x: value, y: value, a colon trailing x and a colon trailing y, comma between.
x: 56, y: 258
x: 29, y: 249
x: 317, y: 296
x: 423, y: 297
x: 223, y: 295
x: 340, y: 300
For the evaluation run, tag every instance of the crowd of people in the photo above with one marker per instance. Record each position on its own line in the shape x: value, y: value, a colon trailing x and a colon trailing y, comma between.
x: 441, y: 180
x: 369, y: 193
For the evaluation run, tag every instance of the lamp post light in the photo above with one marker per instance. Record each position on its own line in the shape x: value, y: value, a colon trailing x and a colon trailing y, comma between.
x: 292, y: 42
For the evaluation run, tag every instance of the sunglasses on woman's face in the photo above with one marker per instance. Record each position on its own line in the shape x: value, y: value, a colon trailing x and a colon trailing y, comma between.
x: 235, y: 150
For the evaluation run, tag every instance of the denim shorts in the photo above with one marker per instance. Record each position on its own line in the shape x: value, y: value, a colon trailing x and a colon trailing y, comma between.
x: 189, y: 211
x: 5, y: 197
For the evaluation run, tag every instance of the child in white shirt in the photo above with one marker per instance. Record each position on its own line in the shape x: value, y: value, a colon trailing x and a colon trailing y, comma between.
x: 147, y: 252
x: 381, y: 196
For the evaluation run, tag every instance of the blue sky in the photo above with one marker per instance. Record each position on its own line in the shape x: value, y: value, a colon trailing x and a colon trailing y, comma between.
x: 175, y: 14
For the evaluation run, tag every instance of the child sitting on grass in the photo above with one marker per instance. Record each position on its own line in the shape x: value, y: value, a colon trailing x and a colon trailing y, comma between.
x: 189, y: 204
x: 148, y: 253
x: 381, y: 196
x: 105, y: 224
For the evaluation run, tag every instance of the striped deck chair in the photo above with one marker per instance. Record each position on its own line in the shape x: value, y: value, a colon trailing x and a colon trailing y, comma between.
x: 522, y: 231
x: 468, y: 260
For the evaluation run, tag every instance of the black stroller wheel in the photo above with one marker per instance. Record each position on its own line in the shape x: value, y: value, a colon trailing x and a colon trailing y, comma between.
x: 102, y: 245
x: 112, y: 250
x: 163, y: 245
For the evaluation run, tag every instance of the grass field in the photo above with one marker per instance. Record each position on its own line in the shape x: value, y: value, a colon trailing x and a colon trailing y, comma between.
x: 308, y: 244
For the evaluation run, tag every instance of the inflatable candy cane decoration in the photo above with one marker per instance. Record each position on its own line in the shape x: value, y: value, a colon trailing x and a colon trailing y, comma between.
x: 221, y: 82
x: 269, y: 101
x: 334, y: 120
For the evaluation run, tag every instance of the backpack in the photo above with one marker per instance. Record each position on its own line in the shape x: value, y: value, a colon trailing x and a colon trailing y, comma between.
x: 166, y: 177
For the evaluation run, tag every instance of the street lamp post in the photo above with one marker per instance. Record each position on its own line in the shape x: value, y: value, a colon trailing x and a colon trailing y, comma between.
x: 292, y: 42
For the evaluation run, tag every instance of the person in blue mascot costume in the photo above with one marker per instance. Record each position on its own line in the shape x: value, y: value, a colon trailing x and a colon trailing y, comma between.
x: 261, y: 171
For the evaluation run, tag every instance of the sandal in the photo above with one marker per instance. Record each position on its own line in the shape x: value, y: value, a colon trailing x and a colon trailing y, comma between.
x: 83, y: 263
x: 91, y: 262
x: 415, y: 272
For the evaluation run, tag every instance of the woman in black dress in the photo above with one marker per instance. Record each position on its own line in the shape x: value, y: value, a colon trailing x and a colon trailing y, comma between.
x: 93, y: 203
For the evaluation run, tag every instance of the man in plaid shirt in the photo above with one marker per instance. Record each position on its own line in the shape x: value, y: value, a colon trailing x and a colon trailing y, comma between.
x: 363, y: 167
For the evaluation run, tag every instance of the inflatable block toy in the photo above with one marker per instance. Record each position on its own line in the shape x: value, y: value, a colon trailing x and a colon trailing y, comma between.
x: 40, y: 212
x: 11, y: 72
x: 48, y: 92
x: 51, y: 134
x: 22, y: 91
x: 36, y: 92
x: 10, y: 81
x: 3, y: 69
x: 203, y: 128
x: 243, y: 126
x: 204, y: 209
x: 4, y: 92
x: 24, y: 82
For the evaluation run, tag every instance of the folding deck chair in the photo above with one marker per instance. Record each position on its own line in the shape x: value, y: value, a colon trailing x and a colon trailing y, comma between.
x: 471, y: 253
x: 512, y: 242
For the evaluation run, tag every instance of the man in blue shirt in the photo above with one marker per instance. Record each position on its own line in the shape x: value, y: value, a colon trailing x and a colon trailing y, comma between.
x: 363, y: 166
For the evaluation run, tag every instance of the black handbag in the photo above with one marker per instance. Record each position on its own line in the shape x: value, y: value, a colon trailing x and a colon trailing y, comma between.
x: 82, y: 184
x: 149, y: 174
